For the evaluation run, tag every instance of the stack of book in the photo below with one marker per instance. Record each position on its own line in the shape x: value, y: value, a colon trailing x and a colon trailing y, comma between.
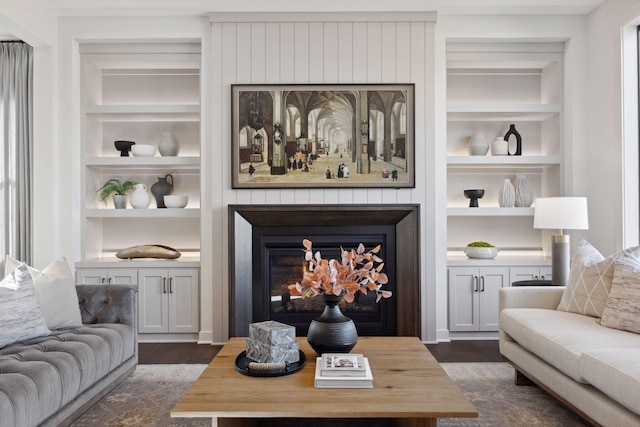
x: 343, y: 370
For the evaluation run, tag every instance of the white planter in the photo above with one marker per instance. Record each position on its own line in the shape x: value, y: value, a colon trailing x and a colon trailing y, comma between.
x: 119, y: 202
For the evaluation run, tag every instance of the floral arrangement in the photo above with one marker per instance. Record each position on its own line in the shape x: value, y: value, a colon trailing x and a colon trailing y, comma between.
x: 357, y: 272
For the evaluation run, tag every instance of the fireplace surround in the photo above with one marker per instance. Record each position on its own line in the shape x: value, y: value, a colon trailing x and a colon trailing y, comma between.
x: 259, y: 233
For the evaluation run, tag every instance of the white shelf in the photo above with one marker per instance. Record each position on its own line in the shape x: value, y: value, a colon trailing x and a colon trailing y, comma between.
x: 151, y: 112
x: 143, y: 164
x: 493, y: 212
x: 143, y: 213
x: 499, y: 261
x: 113, y: 262
x: 502, y: 161
x: 502, y: 112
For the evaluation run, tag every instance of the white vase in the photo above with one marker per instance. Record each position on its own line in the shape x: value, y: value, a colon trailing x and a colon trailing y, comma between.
x: 168, y: 145
x: 507, y: 195
x: 478, y: 145
x: 140, y: 198
x: 499, y: 147
x: 524, y: 195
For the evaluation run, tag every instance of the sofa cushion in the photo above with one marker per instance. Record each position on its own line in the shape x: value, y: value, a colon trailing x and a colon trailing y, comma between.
x: 623, y: 305
x: 615, y: 372
x: 590, y: 279
x: 56, y: 292
x: 559, y: 338
x: 40, y: 376
x: 20, y: 315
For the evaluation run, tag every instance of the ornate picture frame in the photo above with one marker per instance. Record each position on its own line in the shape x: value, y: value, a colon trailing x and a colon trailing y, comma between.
x: 323, y: 136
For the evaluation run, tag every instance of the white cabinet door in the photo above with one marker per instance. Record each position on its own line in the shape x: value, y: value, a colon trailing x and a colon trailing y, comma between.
x: 184, y: 296
x: 517, y: 274
x: 491, y: 280
x: 168, y: 300
x: 91, y: 276
x: 153, y: 301
x: 473, y: 297
x: 463, y: 299
x: 96, y: 276
x: 122, y: 276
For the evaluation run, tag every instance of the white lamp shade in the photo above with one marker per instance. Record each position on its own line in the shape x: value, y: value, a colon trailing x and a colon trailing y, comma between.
x: 562, y: 213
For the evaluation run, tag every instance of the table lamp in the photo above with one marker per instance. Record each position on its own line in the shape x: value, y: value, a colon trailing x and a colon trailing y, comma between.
x: 560, y: 213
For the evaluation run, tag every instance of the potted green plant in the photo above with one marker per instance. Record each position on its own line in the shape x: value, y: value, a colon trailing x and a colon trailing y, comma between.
x: 118, y: 189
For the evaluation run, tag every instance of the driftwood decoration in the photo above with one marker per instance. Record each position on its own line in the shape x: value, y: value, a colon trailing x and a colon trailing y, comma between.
x: 148, y: 251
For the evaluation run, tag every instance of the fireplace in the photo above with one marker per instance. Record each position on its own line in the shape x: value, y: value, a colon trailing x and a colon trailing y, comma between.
x: 266, y: 255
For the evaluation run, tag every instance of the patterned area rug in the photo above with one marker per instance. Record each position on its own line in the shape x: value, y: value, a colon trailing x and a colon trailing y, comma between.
x: 147, y: 396
x: 490, y: 387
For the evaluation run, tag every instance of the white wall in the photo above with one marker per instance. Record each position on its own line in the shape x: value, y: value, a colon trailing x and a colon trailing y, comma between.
x: 334, y: 48
x: 611, y: 228
x: 342, y: 51
x: 32, y: 23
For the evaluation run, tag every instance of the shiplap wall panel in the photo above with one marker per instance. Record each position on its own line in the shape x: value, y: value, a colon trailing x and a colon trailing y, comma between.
x: 345, y: 52
x: 252, y: 51
x: 330, y: 53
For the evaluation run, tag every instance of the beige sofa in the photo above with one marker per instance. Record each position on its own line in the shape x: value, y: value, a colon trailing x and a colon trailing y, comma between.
x: 592, y: 369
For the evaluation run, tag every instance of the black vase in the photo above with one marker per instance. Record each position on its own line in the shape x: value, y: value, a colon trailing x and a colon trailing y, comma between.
x: 161, y: 189
x: 512, y: 131
x: 332, y: 331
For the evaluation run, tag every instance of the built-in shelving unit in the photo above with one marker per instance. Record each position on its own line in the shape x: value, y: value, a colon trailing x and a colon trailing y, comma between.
x: 137, y: 91
x: 489, y: 87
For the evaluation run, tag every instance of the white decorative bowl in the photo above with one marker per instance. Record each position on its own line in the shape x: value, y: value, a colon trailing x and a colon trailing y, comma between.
x: 480, y: 252
x: 172, y: 201
x: 143, y: 150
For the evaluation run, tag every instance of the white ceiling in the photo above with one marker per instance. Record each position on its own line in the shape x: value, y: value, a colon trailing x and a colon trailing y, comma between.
x: 190, y: 7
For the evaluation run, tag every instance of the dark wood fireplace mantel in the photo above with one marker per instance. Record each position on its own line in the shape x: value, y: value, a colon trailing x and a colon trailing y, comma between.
x: 405, y: 218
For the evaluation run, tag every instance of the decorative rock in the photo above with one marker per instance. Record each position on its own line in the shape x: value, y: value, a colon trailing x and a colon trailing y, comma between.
x: 265, y: 353
x: 272, y: 333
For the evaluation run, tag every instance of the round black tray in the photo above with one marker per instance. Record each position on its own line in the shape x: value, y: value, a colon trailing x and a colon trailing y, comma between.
x: 242, y: 365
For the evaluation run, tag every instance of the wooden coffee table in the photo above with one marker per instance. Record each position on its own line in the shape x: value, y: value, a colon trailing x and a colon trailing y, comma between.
x: 409, y: 389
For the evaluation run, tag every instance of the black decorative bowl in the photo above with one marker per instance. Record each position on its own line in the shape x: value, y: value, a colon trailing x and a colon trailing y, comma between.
x: 123, y: 147
x: 474, y: 195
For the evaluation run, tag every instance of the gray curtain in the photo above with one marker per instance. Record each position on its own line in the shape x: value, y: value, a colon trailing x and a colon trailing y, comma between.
x: 16, y: 158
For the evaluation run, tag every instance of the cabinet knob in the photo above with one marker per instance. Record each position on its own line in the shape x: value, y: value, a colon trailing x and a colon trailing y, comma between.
x: 170, y: 285
x: 164, y: 285
x: 481, y: 283
x: 475, y: 283
x: 102, y: 279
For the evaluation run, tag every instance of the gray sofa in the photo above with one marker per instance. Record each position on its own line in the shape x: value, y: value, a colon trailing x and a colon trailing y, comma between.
x: 52, y: 380
x: 591, y: 368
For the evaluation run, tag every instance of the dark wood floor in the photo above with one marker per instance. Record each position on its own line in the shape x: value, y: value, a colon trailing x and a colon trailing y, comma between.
x: 456, y: 351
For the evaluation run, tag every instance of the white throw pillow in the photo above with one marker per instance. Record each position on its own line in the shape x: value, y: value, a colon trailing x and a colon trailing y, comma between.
x: 56, y: 293
x: 20, y: 315
x: 623, y: 306
x: 590, y: 279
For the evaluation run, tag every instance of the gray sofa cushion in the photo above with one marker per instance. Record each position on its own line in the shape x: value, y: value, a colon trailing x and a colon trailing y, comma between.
x: 39, y: 376
x: 560, y: 338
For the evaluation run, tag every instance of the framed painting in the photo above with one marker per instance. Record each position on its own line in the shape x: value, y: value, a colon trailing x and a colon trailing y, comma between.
x: 323, y: 136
